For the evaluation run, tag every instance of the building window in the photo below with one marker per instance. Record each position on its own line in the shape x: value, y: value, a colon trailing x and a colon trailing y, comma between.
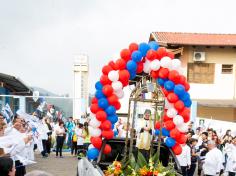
x: 227, y: 69
x: 202, y: 73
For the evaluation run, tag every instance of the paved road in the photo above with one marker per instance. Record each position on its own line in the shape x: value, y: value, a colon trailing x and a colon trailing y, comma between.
x: 57, y: 166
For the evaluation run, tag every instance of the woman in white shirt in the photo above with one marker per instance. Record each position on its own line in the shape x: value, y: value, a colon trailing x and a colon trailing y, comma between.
x: 60, y: 132
x: 80, y: 139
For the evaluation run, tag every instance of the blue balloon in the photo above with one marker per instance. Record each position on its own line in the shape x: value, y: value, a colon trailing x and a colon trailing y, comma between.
x: 143, y: 48
x: 103, y: 103
x: 113, y: 118
x: 179, y: 90
x: 132, y: 75
x: 184, y: 97
x: 131, y: 66
x: 188, y: 103
x: 157, y: 132
x: 165, y: 132
x: 92, y: 153
x: 136, y: 56
x: 161, y: 81
x: 110, y: 110
x: 169, y: 85
x: 99, y: 94
x: 170, y: 142
x: 153, y: 45
x: 98, y: 85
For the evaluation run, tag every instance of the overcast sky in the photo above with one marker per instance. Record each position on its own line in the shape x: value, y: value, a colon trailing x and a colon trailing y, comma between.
x: 39, y: 39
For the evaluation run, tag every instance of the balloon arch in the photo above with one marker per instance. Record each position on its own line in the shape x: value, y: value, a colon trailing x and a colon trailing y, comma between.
x: 161, y: 66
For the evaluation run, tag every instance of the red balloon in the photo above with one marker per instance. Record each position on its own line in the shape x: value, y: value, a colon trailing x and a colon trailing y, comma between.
x: 185, y: 114
x: 182, y: 79
x: 133, y: 47
x: 175, y: 133
x: 124, y: 75
x: 107, y: 149
x: 177, y: 149
x: 161, y: 52
x: 94, y: 108
x: 113, y: 99
x: 117, y: 105
x: 179, y: 105
x: 106, y: 125
x: 172, y: 97
x: 169, y: 125
x: 101, y: 116
x: 139, y: 67
x: 151, y: 55
x: 97, y: 142
x: 108, y: 134
x: 181, y: 139
x: 113, y: 65
x: 174, y: 76
x: 163, y: 73
x: 164, y: 91
x: 94, y: 100
x: 171, y: 55
x: 106, y: 69
x: 105, y: 80
x: 157, y: 125
x: 166, y: 118
x: 187, y: 86
x: 125, y: 83
x: 125, y: 54
x: 121, y: 64
x: 107, y: 90
x: 154, y: 74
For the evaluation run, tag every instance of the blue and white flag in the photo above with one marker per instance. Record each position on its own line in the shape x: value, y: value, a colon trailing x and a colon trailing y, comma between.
x: 7, y: 113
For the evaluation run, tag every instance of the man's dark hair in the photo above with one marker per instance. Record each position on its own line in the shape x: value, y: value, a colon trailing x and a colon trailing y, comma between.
x: 6, y: 165
x: 205, y: 133
x: 192, y: 140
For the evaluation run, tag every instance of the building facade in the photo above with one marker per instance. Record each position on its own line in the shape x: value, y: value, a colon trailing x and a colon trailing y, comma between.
x: 209, y: 62
x: 81, y: 86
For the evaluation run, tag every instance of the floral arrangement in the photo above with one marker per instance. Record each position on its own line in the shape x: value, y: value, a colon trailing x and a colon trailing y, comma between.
x: 140, y: 167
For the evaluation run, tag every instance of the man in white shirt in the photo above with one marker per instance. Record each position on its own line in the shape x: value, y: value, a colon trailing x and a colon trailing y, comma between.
x: 231, y: 158
x: 213, y: 161
x: 185, y: 159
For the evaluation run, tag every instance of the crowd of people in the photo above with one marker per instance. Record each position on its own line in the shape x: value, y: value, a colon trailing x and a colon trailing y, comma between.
x: 26, y: 133
x: 208, y: 153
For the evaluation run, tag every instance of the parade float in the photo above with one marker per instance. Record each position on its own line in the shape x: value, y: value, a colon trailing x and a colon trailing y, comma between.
x: 152, y: 70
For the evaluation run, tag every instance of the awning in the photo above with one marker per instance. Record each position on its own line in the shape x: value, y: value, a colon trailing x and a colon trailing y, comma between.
x: 14, y: 85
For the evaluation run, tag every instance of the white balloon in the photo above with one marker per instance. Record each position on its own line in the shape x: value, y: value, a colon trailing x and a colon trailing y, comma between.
x: 119, y: 93
x: 183, y: 128
x: 91, y: 146
x: 146, y: 66
x: 94, y: 132
x: 117, y: 85
x: 113, y: 75
x: 166, y: 62
x: 176, y: 64
x: 178, y: 120
x: 155, y: 65
x: 94, y: 122
x: 180, y: 70
x: 172, y: 112
x: 168, y: 105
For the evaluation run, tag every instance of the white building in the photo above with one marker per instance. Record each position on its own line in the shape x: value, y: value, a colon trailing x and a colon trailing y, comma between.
x: 81, y: 86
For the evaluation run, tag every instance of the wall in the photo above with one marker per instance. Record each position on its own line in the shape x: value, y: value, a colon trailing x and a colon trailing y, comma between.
x: 224, y: 84
x: 217, y: 113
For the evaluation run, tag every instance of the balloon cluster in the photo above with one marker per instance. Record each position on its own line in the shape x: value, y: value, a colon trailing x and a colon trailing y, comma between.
x: 161, y: 65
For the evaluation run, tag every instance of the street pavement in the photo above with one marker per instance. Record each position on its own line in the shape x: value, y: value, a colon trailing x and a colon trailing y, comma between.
x: 56, y: 166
